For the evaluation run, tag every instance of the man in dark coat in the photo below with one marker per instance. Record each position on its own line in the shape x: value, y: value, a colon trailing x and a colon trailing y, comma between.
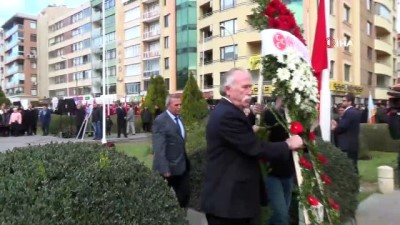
x: 79, y: 119
x: 233, y: 189
x: 348, y: 130
x: 121, y: 121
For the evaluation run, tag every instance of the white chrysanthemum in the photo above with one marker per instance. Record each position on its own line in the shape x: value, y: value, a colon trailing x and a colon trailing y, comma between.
x: 297, y: 98
x: 280, y: 58
x: 283, y: 74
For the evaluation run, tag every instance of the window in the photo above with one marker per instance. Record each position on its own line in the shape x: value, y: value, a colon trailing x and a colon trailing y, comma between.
x: 228, y: 52
x: 347, y: 72
x: 227, y: 4
x: 166, y: 20
x: 332, y: 69
x: 166, y: 42
x: 146, y: 84
x: 111, y: 54
x: 109, y: 4
x: 369, y: 53
x: 33, y: 50
x: 331, y: 5
x: 132, y: 70
x: 166, y: 63
x: 347, y: 47
x: 228, y: 27
x: 110, y: 21
x: 166, y: 82
x: 132, y: 33
x: 382, y: 10
x: 331, y: 33
x: 111, y: 71
x: 369, y: 28
x: 110, y: 37
x: 369, y: 78
x: 34, y: 92
x: 346, y: 13
x: 33, y: 38
x: 369, y: 3
x: 132, y: 51
x: 133, y: 88
x: 33, y: 65
x: 132, y: 14
x: 33, y: 24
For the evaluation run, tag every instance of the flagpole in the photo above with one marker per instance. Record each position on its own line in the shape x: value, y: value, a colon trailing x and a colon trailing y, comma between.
x: 103, y: 26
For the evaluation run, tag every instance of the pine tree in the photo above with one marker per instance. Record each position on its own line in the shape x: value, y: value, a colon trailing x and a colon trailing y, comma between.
x: 156, y: 94
x: 194, y: 106
x: 3, y: 98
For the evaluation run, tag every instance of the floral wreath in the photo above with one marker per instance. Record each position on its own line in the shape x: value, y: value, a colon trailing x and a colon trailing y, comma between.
x: 294, y: 80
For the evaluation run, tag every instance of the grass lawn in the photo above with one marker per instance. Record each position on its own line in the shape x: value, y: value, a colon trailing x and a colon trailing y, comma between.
x: 369, y: 171
x: 140, y: 150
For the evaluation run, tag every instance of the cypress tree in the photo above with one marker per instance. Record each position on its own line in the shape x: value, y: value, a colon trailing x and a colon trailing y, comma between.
x: 194, y: 106
x: 3, y: 98
x: 156, y: 94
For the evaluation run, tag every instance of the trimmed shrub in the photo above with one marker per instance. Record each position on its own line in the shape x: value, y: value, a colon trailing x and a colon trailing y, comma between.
x: 80, y: 183
x: 194, y: 106
x: 376, y: 137
x: 344, y: 186
x: 196, y: 138
x: 64, y: 123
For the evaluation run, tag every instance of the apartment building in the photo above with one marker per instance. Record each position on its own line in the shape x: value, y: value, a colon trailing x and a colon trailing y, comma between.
x: 363, y: 59
x: 398, y: 59
x: 110, y: 42
x: 225, y: 40
x: 2, y: 75
x: 20, y: 58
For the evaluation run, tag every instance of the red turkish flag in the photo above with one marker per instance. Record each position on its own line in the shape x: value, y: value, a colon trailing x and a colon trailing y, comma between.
x: 319, y: 58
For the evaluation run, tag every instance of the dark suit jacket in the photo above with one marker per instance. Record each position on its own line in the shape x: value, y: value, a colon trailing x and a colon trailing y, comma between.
x: 233, y: 186
x: 348, y: 130
x: 121, y: 115
x: 45, y: 116
x: 168, y: 146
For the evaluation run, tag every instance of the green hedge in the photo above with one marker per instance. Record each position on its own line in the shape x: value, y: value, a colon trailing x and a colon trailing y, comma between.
x: 344, y: 186
x: 80, y: 183
x: 376, y: 137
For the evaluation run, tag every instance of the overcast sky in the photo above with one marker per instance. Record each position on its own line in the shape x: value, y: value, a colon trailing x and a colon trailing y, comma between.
x: 31, y: 7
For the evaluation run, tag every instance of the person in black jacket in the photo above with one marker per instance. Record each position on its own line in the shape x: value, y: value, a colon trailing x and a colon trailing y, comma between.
x: 121, y: 121
x: 279, y: 182
x: 348, y: 130
x: 232, y: 189
x: 79, y: 119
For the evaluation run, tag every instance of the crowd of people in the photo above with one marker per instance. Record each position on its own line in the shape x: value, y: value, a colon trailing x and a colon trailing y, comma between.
x: 17, y: 121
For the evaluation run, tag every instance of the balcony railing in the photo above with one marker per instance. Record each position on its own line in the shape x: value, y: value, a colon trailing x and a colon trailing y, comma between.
x: 14, y: 69
x: 151, y: 54
x: 13, y: 43
x: 151, y: 34
x: 151, y: 73
x: 13, y: 30
x: 96, y: 16
x: 150, y: 14
x: 12, y: 57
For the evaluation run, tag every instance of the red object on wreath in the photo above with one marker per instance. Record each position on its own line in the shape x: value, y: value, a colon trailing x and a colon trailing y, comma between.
x: 311, y: 136
x: 334, y: 204
x: 312, y: 200
x: 296, y: 128
x: 306, y: 164
x: 322, y: 159
x: 280, y: 17
x: 326, y: 179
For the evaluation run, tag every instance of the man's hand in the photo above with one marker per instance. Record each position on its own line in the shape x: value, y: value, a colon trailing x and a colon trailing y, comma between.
x: 294, y: 142
x: 333, y: 124
x: 167, y: 174
x: 258, y: 108
x: 255, y: 128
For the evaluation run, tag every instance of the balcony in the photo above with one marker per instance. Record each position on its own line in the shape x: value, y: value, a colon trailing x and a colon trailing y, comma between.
x: 148, y: 74
x: 97, y: 16
x: 151, y: 35
x: 96, y: 33
x: 13, y: 43
x: 151, y: 54
x: 13, y: 30
x: 15, y: 69
x: 151, y: 16
x: 381, y: 22
x: 381, y: 68
x: 98, y: 65
x: 148, y: 1
x: 383, y: 46
x: 13, y: 57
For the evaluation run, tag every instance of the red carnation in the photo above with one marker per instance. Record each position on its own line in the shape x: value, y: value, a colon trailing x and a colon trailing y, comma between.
x: 334, y: 204
x: 322, y: 159
x: 306, y: 164
x: 326, y: 179
x: 296, y: 128
x: 312, y: 200
x: 311, y: 136
x: 273, y: 23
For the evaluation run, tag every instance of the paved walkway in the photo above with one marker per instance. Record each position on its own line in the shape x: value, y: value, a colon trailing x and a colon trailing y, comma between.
x: 7, y: 143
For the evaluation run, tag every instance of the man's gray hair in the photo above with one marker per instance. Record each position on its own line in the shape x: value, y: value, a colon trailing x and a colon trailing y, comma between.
x: 228, y: 79
x: 169, y: 97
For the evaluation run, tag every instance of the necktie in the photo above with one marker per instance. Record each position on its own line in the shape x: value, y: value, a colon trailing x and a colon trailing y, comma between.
x: 179, y: 127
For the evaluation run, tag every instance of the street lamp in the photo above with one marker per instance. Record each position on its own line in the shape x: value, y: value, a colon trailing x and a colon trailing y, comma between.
x: 65, y: 58
x: 233, y: 41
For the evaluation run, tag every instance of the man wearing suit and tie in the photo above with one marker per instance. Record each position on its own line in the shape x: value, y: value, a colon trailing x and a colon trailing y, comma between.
x: 347, y: 130
x: 233, y: 188
x: 170, y: 159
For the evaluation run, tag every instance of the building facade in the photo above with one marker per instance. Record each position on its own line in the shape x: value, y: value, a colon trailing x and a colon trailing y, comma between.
x: 2, y: 74
x: 20, y: 58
